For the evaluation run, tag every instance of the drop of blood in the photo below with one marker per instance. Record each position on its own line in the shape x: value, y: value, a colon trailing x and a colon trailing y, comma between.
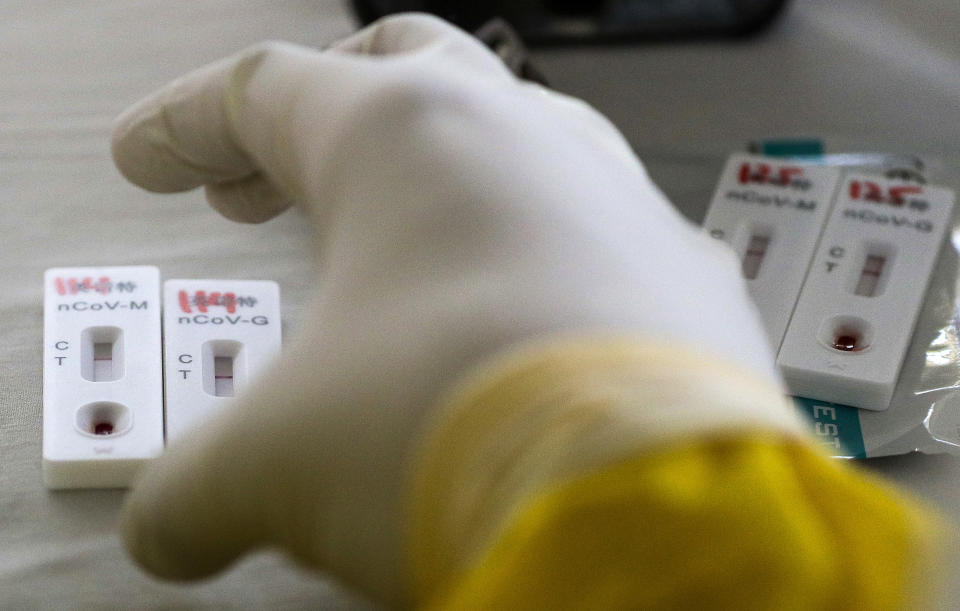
x: 845, y: 343
x: 103, y: 428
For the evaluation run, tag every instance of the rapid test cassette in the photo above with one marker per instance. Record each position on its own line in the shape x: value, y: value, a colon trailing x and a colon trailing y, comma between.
x: 102, y: 378
x: 854, y: 320
x: 771, y: 211
x: 218, y: 335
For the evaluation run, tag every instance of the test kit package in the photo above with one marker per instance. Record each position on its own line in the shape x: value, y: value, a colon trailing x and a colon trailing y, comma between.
x: 218, y: 335
x: 102, y: 375
x: 853, y: 264
x: 108, y: 360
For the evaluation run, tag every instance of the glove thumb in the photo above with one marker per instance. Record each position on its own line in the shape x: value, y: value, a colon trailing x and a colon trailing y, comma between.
x: 253, y: 476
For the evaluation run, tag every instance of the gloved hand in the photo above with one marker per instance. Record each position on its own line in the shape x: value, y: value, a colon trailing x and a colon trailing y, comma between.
x: 460, y: 214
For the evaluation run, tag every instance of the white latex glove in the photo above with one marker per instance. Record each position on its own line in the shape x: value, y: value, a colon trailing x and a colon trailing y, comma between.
x: 459, y: 213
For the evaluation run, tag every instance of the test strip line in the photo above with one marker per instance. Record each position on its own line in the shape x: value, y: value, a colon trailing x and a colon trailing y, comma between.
x: 870, y: 275
x: 218, y: 336
x: 753, y: 258
x: 102, y: 376
x: 223, y: 376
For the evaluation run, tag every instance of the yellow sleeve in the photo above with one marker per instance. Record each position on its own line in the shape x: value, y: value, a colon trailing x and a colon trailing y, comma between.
x: 754, y: 518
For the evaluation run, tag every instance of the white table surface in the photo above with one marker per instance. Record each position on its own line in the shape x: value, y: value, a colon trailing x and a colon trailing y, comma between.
x: 867, y: 75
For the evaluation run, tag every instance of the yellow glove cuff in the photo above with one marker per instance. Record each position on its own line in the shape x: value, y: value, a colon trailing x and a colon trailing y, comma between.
x: 745, y: 523
x: 546, y: 414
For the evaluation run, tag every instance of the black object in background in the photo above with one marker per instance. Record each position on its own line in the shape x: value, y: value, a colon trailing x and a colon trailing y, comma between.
x: 564, y: 21
x: 503, y: 40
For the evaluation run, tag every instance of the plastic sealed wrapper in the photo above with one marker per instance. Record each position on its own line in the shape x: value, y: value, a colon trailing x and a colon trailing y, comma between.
x: 924, y: 414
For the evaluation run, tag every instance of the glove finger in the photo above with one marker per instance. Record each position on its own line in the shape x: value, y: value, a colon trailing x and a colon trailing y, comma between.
x: 287, y: 466
x: 178, y: 138
x: 198, y: 508
x: 249, y: 200
x: 219, y: 491
x: 278, y: 109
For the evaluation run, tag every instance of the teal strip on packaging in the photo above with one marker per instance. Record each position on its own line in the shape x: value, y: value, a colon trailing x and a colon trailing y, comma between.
x: 791, y: 147
x: 836, y: 426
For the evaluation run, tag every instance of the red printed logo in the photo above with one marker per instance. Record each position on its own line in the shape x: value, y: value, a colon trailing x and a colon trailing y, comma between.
x: 202, y: 301
x: 897, y: 195
x: 102, y: 285
x: 766, y: 174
